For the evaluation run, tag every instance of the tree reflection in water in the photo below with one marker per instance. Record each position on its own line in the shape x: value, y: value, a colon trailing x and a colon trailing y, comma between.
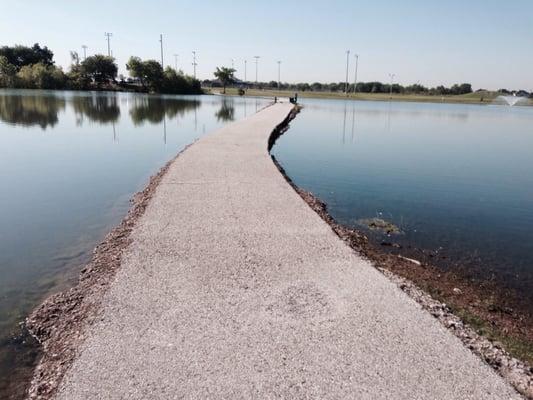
x: 153, y: 109
x: 226, y: 111
x: 101, y: 108
x: 30, y: 109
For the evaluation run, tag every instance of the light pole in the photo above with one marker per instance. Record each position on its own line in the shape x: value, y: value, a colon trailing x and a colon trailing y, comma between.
x: 256, y: 62
x: 161, y: 41
x: 108, y: 35
x: 279, y: 74
x: 355, y: 75
x: 176, y: 61
x: 84, y: 47
x: 347, y: 66
x: 391, y: 80
x: 194, y: 63
x: 232, y: 63
x: 245, y: 63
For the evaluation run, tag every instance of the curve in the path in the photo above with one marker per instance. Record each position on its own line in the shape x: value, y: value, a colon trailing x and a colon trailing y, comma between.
x: 234, y: 288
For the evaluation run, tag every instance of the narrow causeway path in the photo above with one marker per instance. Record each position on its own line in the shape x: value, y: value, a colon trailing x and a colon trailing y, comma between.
x: 233, y: 288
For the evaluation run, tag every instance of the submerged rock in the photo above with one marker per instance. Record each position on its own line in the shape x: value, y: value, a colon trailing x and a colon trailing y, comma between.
x: 378, y: 224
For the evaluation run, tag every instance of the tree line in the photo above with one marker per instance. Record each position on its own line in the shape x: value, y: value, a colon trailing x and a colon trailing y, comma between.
x: 226, y: 76
x: 362, y: 87
x: 34, y: 68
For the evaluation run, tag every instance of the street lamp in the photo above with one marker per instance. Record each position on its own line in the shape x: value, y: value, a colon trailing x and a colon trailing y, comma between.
x: 194, y: 63
x: 391, y: 76
x: 347, y: 66
x: 279, y: 74
x: 256, y: 62
x: 355, y: 75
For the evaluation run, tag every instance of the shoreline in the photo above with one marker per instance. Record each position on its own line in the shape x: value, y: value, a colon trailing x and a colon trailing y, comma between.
x: 404, y: 98
x: 433, y: 288
x: 59, y: 323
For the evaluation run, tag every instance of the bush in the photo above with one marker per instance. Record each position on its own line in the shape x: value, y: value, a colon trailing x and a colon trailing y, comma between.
x: 178, y: 83
x: 41, y: 76
x: 7, y: 73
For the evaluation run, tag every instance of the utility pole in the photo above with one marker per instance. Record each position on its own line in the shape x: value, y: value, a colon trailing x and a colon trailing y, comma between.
x: 391, y: 76
x: 256, y: 62
x: 279, y: 74
x: 355, y: 75
x: 347, y: 66
x: 194, y: 63
x: 161, y: 41
x: 245, y: 62
x: 176, y: 61
x: 108, y: 35
x: 232, y: 63
x: 84, y: 47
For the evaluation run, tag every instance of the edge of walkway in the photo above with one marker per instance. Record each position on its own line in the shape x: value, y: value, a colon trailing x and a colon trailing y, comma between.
x: 60, y: 323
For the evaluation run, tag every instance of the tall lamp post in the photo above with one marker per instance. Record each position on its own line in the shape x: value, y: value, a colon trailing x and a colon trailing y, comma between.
x: 391, y: 80
x: 347, y: 66
x: 355, y: 75
x: 161, y: 42
x: 194, y: 64
x: 256, y: 63
x: 279, y: 74
x: 108, y: 36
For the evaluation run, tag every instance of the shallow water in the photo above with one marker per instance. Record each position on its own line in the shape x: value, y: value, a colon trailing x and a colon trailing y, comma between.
x: 456, y: 179
x: 69, y: 163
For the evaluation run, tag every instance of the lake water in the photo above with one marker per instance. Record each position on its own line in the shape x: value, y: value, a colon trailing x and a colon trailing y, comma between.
x: 69, y: 164
x: 456, y: 179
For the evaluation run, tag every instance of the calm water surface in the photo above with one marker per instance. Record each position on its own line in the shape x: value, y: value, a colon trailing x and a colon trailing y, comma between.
x: 69, y: 163
x: 457, y: 179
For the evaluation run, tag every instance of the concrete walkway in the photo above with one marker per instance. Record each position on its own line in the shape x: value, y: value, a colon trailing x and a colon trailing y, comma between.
x: 234, y: 288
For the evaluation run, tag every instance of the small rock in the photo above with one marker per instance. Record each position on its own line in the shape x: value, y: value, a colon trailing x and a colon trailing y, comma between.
x: 457, y: 290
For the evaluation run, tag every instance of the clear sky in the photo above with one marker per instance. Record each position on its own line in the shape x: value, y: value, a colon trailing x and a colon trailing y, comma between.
x: 488, y: 43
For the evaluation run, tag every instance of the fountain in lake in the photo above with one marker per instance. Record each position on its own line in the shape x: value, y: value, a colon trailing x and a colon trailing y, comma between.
x: 511, y: 100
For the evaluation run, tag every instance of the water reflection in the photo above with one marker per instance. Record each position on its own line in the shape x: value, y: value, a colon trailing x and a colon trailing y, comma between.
x: 453, y: 177
x: 344, y: 128
x: 31, y: 110
x: 64, y: 191
x: 103, y: 109
x: 154, y: 109
x: 226, y: 111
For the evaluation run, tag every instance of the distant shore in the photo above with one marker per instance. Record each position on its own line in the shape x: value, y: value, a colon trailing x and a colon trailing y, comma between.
x: 481, y: 98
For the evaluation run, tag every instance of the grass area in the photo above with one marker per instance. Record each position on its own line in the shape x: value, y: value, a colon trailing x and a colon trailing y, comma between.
x: 485, y: 97
x: 520, y: 348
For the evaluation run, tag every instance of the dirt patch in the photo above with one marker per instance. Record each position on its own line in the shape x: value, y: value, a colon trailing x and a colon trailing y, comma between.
x: 60, y: 323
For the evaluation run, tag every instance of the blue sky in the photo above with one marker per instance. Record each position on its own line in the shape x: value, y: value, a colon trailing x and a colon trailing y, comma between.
x: 486, y: 42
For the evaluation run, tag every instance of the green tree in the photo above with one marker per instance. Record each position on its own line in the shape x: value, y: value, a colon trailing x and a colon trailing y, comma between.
x: 20, y: 56
x: 153, y: 74
x: 100, y: 68
x: 7, y: 72
x: 41, y: 76
x: 225, y: 76
x: 135, y: 68
x: 76, y: 77
x: 178, y: 83
x: 149, y: 72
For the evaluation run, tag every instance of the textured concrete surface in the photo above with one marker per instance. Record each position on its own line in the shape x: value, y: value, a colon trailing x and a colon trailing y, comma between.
x: 235, y: 289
